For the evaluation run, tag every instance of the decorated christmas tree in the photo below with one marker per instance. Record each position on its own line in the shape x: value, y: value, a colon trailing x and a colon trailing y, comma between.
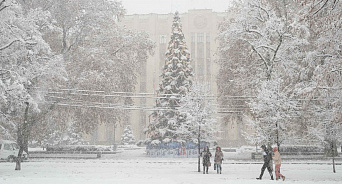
x: 127, y: 136
x: 176, y: 82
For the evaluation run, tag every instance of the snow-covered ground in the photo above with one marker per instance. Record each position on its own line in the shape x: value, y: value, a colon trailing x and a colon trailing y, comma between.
x: 132, y: 166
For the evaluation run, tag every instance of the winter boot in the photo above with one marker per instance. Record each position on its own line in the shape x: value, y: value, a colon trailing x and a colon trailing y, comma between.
x: 283, y: 178
x: 271, y: 176
x: 262, y: 173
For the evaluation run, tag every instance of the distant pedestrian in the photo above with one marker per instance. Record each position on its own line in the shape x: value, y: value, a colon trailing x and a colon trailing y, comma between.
x: 267, y: 158
x: 277, y: 163
x: 206, y: 159
x: 218, y: 159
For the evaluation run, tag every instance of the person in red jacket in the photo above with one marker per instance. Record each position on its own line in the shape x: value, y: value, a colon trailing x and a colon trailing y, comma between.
x: 277, y: 163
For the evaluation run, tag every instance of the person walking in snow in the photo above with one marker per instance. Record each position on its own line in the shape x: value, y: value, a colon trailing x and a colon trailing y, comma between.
x: 267, y: 158
x: 277, y: 163
x: 206, y: 159
x: 218, y: 159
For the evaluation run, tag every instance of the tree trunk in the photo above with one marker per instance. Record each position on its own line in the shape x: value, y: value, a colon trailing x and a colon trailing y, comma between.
x: 278, y: 142
x: 18, y: 160
x: 334, y: 151
x: 199, y: 149
x: 22, y: 138
x: 334, y: 170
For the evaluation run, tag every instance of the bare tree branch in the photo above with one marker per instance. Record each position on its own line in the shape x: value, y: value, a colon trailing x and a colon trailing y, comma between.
x: 277, y: 49
x: 325, y: 3
x: 8, y: 45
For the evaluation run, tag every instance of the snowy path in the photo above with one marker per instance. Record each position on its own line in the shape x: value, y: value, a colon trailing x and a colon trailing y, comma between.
x: 133, y: 167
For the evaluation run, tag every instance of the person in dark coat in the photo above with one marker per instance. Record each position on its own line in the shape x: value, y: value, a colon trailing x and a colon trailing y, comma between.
x: 267, y: 156
x: 218, y: 159
x: 206, y: 159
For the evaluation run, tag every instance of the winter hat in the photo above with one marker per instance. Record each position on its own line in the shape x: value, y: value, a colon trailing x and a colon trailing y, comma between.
x: 275, y: 149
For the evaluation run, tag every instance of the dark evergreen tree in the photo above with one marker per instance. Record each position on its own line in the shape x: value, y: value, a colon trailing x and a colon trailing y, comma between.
x: 176, y: 82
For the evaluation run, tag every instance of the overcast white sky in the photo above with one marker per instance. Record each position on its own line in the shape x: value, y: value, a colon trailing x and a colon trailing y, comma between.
x: 170, y: 6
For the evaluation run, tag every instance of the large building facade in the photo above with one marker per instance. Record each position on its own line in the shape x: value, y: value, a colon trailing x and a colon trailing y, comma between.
x: 200, y: 28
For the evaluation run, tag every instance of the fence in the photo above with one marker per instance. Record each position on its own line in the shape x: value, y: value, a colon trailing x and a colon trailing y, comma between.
x: 174, y: 150
x: 173, y: 153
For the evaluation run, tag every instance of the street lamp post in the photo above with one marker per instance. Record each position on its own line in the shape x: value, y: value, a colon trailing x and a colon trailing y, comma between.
x: 114, y: 146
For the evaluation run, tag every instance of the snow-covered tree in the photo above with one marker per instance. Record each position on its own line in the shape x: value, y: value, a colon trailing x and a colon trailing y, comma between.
x: 100, y: 55
x: 127, y: 137
x: 269, y: 33
x: 27, y: 68
x: 176, y: 81
x: 324, y: 69
x: 50, y: 131
x: 273, y: 114
x: 197, y: 106
x: 270, y: 37
x: 200, y: 124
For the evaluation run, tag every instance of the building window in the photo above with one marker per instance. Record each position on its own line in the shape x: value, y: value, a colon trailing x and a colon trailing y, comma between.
x: 142, y: 86
x: 207, y: 39
x: 200, y: 51
x: 200, y: 67
x: 162, y: 39
x: 208, y: 70
x: 193, y: 37
x: 162, y: 57
x: 200, y: 38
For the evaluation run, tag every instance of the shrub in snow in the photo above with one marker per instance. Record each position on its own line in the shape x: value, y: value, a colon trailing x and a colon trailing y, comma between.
x: 155, y: 142
x: 79, y: 148
x: 127, y: 137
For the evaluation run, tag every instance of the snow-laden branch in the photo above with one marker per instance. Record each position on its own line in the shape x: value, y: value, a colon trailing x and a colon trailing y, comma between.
x: 259, y: 54
x: 1, y: 3
x: 279, y: 44
x: 253, y: 31
x: 325, y: 3
x: 337, y: 70
x: 329, y: 88
x: 260, y: 8
x: 268, y: 47
x: 9, y: 44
